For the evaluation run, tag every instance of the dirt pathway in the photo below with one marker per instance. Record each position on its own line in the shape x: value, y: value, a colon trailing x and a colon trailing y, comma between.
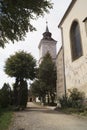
x: 41, y: 118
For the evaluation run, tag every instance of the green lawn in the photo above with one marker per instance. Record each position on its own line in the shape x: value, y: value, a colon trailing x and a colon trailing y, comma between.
x: 5, y: 119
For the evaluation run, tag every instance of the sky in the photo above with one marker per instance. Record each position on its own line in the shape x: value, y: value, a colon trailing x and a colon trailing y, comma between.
x: 32, y: 39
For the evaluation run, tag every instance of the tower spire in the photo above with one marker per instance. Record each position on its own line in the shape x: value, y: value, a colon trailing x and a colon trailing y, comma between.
x: 47, y: 30
x: 47, y: 34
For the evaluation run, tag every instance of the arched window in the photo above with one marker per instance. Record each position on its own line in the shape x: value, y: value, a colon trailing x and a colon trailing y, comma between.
x: 76, y: 48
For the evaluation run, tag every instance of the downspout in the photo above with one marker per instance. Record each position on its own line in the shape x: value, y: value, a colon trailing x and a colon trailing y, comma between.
x: 63, y: 63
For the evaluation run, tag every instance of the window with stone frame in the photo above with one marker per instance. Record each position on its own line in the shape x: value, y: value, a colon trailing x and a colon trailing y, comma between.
x: 75, y: 38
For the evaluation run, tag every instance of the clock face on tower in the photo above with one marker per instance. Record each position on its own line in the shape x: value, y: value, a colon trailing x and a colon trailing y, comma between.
x: 76, y: 73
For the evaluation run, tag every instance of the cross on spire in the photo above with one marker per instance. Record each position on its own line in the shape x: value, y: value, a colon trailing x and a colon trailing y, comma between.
x: 46, y: 23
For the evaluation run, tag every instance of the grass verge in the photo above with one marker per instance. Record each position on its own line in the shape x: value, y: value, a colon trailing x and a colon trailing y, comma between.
x: 5, y: 118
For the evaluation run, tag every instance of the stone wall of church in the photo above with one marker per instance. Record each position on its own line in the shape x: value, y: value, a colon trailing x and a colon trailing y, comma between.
x: 76, y: 71
x: 60, y: 74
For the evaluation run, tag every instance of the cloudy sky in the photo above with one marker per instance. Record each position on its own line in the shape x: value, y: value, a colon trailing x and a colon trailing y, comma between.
x: 32, y: 39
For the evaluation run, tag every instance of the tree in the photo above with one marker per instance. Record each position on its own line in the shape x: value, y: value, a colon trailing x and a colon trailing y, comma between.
x: 45, y: 84
x: 16, y: 17
x: 5, y: 96
x: 24, y: 94
x: 38, y: 89
x: 21, y: 66
x: 47, y: 74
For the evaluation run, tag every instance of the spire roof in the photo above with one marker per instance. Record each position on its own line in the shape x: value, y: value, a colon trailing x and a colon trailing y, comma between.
x: 47, y: 29
x: 47, y: 34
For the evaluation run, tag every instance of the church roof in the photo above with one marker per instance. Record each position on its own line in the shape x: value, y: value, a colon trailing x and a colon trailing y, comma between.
x: 67, y: 12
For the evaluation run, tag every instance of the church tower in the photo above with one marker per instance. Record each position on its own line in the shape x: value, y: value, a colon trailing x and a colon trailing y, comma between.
x: 47, y: 44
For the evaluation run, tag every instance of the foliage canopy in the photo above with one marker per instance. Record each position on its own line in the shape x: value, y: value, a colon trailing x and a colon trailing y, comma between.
x: 21, y: 65
x: 16, y: 16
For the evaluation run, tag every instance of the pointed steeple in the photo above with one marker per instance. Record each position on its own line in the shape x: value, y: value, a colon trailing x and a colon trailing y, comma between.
x: 47, y: 30
x: 47, y: 34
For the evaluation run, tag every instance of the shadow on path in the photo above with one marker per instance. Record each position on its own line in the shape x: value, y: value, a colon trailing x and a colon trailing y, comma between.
x: 32, y: 107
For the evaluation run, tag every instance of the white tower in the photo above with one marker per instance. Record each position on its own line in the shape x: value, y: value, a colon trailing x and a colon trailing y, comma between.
x: 47, y: 44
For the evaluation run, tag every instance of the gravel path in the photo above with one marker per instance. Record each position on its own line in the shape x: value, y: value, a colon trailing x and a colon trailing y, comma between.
x: 41, y: 118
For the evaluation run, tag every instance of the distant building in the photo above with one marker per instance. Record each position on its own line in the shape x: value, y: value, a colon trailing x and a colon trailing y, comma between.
x: 47, y: 44
x: 74, y: 42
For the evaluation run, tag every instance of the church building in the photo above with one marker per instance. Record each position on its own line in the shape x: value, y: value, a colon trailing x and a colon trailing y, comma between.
x: 47, y: 44
x: 60, y: 84
x: 73, y: 27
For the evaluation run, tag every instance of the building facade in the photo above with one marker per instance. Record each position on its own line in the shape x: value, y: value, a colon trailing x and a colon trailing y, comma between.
x: 60, y: 73
x: 74, y: 42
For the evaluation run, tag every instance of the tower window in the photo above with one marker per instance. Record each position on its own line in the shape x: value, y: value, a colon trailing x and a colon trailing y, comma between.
x: 76, y: 48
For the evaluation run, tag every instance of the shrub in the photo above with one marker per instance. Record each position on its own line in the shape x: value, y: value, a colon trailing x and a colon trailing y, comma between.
x: 74, y: 100
x: 63, y: 101
x: 5, y: 97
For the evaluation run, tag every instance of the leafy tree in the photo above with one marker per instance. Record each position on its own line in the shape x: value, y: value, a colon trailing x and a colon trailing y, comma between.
x: 35, y: 88
x: 16, y: 17
x: 47, y: 74
x: 21, y: 66
x: 38, y: 89
x: 45, y: 84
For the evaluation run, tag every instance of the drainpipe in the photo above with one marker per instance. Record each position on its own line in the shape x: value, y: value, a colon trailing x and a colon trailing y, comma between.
x: 63, y: 63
